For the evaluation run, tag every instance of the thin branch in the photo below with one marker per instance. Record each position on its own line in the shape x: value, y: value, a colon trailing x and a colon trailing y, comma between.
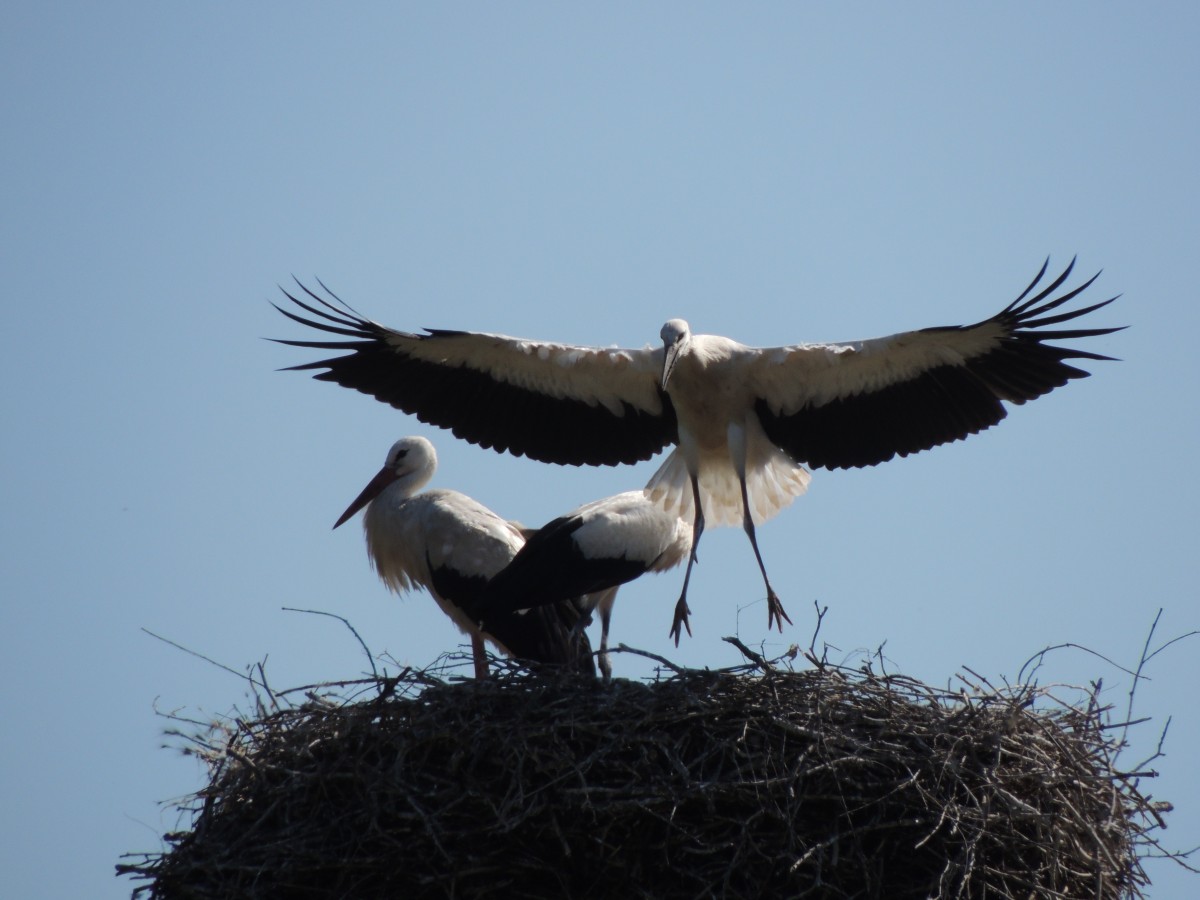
x: 812, y: 644
x: 207, y: 659
x: 1169, y: 643
x: 346, y: 622
x: 624, y: 648
x: 1021, y: 677
x: 757, y: 658
x: 1137, y: 676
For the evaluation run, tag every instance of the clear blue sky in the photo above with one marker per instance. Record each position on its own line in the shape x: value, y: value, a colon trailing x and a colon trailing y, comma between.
x: 775, y: 173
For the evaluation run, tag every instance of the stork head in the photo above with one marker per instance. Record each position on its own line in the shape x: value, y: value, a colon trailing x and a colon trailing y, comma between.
x: 410, y: 462
x: 675, y: 337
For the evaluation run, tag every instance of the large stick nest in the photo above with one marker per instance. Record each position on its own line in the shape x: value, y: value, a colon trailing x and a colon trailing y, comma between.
x: 825, y: 783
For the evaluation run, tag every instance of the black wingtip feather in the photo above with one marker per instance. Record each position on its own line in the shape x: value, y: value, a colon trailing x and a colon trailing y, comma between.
x: 334, y: 314
x: 1030, y: 309
x: 473, y: 404
x: 327, y: 290
x: 1017, y: 308
x: 1061, y: 317
x: 341, y: 328
x: 947, y: 401
x: 1032, y: 284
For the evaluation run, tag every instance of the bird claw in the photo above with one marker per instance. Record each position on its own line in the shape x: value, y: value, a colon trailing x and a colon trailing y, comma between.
x: 775, y: 613
x: 681, y: 619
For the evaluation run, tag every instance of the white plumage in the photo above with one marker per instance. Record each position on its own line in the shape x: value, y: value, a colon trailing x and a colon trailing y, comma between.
x: 628, y: 526
x: 745, y: 420
x: 591, y: 551
x: 451, y: 545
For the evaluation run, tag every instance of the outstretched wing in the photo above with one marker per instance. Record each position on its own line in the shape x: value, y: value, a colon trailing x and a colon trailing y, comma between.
x: 551, y: 402
x: 847, y: 405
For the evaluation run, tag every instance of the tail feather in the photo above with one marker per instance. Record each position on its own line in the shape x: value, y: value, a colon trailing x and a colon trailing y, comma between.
x: 773, y: 481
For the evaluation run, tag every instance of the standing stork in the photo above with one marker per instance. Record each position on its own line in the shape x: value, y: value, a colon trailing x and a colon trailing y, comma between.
x: 589, y: 551
x: 452, y: 545
x: 744, y: 419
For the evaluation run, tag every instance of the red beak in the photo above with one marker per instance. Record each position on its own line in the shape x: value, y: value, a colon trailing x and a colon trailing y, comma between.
x: 382, y: 479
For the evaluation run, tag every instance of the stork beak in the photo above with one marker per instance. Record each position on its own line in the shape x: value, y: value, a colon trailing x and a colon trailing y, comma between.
x: 382, y: 479
x: 670, y: 355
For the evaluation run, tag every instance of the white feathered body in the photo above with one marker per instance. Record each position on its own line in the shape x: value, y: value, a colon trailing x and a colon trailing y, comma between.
x: 627, y: 526
x: 713, y: 415
x: 438, y: 528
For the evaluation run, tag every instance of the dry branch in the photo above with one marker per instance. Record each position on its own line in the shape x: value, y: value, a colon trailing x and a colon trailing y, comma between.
x: 829, y: 783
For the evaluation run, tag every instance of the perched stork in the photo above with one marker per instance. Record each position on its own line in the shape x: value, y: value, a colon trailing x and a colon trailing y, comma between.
x: 451, y: 545
x: 744, y: 419
x: 589, y: 551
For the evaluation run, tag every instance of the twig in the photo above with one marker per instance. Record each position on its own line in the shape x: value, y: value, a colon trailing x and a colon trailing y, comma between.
x: 678, y: 670
x: 1142, y: 660
x: 808, y: 765
x: 757, y: 658
x: 346, y: 622
x: 207, y: 659
x: 812, y: 644
x: 1158, y: 751
x: 1040, y: 655
x: 1169, y: 643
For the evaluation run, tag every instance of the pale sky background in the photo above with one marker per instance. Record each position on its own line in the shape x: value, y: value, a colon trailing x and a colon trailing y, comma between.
x: 775, y: 173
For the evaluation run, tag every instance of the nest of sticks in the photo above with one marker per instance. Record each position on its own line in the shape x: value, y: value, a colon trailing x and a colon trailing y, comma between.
x: 755, y: 781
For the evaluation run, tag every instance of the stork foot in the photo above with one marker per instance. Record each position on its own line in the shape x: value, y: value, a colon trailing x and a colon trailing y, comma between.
x: 775, y: 612
x: 681, y: 619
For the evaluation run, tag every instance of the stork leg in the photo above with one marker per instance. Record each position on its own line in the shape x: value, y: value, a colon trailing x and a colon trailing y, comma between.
x: 480, y: 656
x: 775, y: 612
x: 602, y: 660
x: 681, y: 608
x: 575, y: 638
x: 602, y: 602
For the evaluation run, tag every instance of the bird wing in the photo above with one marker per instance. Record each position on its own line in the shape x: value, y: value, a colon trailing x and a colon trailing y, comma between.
x: 546, y: 634
x: 598, y: 546
x: 551, y: 567
x: 551, y: 402
x: 848, y: 405
x: 465, y: 544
